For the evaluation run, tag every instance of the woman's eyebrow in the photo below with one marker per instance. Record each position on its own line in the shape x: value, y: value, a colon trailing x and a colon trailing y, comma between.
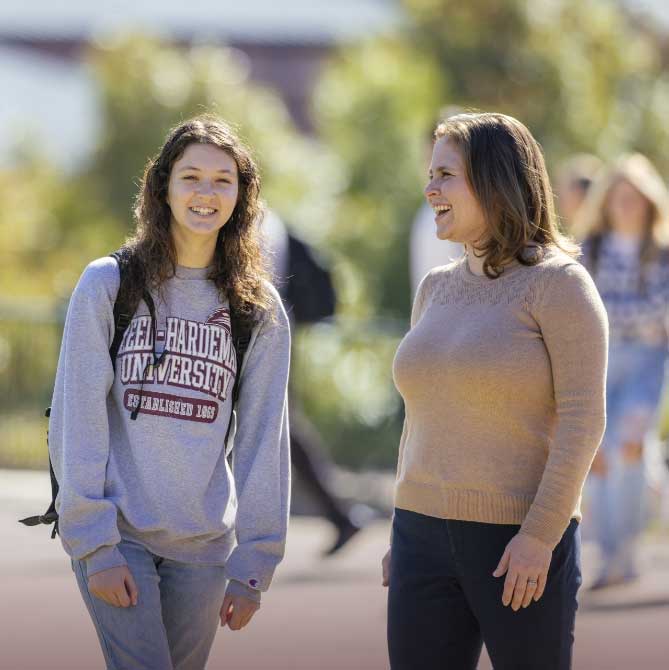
x: 443, y: 168
x: 193, y: 167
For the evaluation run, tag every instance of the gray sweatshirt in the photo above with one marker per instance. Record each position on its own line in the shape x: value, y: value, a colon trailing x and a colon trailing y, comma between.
x: 163, y: 480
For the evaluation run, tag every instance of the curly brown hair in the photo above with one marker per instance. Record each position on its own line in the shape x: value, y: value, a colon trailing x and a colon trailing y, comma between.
x: 239, y: 266
x: 506, y: 172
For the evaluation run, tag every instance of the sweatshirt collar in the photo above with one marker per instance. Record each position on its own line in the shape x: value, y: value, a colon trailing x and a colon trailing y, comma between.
x: 183, y: 272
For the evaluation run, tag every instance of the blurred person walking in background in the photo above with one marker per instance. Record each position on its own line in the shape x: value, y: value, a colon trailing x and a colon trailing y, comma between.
x: 573, y: 182
x: 166, y: 538
x: 306, y: 289
x: 502, y: 376
x: 624, y: 226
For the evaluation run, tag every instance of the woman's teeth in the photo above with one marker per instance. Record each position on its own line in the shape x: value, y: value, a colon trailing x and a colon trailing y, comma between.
x: 203, y: 211
x: 441, y: 209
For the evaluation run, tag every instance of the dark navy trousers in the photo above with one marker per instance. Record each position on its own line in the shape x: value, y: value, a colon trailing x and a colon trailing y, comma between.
x: 444, y: 603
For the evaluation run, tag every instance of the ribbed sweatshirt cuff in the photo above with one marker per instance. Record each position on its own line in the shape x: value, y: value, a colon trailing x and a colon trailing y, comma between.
x: 546, y: 525
x: 104, y: 558
x: 236, y: 588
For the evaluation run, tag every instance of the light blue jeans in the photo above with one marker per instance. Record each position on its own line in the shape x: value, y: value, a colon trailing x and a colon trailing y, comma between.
x: 617, y: 499
x: 173, y: 625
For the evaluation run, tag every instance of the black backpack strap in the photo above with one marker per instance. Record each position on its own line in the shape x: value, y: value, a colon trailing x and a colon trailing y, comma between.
x: 241, y: 337
x: 146, y: 296
x: 50, y: 516
x: 122, y: 310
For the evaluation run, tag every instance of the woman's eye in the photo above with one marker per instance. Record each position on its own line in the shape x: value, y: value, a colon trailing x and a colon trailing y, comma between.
x: 189, y: 176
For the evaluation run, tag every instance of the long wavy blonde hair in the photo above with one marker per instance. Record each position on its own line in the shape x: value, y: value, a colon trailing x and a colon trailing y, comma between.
x: 592, y: 223
x: 506, y: 172
x: 239, y: 266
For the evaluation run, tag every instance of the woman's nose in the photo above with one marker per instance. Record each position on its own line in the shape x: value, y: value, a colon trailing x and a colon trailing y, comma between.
x: 205, y: 187
x: 430, y: 189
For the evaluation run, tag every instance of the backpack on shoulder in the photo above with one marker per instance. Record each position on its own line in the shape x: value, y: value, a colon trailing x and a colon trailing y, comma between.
x: 123, y: 313
x: 309, y: 290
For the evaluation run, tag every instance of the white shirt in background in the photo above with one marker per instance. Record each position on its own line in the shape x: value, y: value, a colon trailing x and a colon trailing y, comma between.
x: 426, y: 249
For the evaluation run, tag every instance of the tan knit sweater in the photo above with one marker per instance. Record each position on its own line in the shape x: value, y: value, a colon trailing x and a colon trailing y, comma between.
x: 503, y: 383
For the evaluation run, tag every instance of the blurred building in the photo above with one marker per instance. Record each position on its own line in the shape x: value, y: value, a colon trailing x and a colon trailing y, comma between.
x: 49, y: 96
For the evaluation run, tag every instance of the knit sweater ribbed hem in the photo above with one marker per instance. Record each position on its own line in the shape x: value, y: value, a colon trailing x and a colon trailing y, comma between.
x: 465, y: 504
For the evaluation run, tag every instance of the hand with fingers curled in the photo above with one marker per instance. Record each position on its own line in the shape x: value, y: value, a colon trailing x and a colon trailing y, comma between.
x: 385, y: 569
x: 115, y: 586
x: 237, y: 611
x: 525, y: 562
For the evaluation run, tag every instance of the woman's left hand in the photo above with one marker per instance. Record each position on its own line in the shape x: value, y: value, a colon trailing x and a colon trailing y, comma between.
x: 237, y: 611
x: 525, y: 561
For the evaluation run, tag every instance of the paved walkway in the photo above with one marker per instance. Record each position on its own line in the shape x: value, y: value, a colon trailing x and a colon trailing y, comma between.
x: 319, y: 614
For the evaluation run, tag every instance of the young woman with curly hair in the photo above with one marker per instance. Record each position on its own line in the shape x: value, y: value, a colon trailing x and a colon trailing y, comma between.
x: 166, y: 538
x: 502, y: 375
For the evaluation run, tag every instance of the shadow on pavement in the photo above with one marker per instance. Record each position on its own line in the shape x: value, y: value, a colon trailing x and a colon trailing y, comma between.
x: 624, y: 605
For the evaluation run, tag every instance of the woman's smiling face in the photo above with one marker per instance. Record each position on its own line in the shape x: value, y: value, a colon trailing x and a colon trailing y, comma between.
x: 458, y: 215
x: 202, y: 190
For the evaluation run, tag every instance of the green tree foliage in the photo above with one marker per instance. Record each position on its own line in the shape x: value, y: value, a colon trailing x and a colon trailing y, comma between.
x: 374, y: 106
x: 47, y: 226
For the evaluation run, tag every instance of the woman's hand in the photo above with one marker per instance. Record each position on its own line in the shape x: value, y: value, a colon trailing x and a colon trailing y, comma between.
x: 237, y: 611
x: 385, y: 568
x: 525, y: 561
x: 115, y: 586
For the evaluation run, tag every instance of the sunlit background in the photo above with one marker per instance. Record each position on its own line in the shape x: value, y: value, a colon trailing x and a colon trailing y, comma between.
x: 338, y: 98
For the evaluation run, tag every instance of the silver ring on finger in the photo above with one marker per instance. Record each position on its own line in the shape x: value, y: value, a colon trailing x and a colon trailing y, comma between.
x: 532, y: 582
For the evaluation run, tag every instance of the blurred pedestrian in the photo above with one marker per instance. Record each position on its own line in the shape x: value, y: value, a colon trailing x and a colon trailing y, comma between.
x: 573, y: 182
x: 166, y: 538
x: 502, y: 376
x: 299, y: 275
x: 625, y: 229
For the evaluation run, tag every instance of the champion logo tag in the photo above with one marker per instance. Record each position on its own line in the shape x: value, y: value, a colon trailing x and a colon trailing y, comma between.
x: 253, y: 582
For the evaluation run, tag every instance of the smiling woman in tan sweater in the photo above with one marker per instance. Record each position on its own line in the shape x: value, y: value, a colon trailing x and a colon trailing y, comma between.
x: 502, y: 376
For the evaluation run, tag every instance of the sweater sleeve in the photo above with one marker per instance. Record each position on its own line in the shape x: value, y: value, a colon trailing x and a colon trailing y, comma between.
x: 574, y: 328
x: 261, y: 455
x: 79, y: 427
